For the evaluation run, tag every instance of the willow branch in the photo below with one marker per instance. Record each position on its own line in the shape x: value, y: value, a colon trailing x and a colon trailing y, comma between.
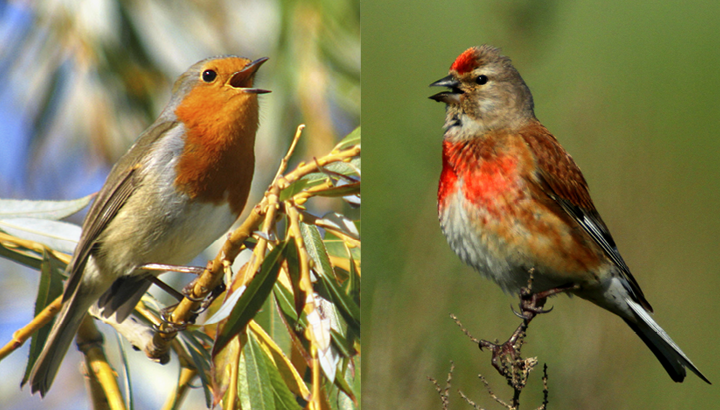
x: 264, y: 213
x: 90, y: 341
x: 23, y: 334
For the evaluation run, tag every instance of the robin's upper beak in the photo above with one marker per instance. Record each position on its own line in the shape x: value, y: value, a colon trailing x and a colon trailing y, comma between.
x: 243, y: 78
x: 448, y: 97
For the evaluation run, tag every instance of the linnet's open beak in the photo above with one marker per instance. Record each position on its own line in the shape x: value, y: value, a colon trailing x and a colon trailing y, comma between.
x: 448, y: 97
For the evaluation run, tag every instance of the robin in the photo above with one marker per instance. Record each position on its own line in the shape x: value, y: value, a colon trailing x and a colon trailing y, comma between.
x: 512, y: 201
x: 177, y: 189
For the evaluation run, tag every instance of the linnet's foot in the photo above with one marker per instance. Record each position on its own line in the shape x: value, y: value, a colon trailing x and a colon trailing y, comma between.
x: 532, y: 304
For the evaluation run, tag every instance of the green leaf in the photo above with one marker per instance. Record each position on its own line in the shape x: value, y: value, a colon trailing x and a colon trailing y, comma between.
x: 351, y: 139
x: 341, y: 394
x: 343, y: 345
x: 21, y: 255
x: 57, y: 235
x: 284, y: 398
x: 342, y: 384
x: 354, y: 285
x: 49, y: 289
x: 348, y: 309
x: 55, y: 210
x: 254, y: 378
x: 286, y: 304
x: 334, y: 245
x: 342, y: 190
x: 295, y: 188
x: 293, y: 263
x: 192, y: 342
x: 350, y: 169
x: 316, y: 248
x: 254, y: 296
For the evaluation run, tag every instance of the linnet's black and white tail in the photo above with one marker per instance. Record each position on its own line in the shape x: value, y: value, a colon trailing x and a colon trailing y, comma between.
x: 668, y: 353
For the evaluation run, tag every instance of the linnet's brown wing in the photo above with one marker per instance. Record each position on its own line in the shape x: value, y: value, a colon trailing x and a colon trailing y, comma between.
x: 562, y: 180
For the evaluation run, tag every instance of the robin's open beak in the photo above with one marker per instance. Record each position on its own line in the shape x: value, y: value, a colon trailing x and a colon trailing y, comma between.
x: 448, y: 97
x: 244, y: 78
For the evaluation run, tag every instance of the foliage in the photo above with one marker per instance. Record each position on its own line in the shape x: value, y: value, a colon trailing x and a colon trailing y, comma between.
x: 287, y: 333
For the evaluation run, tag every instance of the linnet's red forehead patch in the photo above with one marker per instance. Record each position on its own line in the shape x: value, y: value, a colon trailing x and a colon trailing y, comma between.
x: 465, y: 62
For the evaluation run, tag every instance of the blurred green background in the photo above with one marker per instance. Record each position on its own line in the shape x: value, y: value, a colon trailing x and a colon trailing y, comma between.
x: 632, y: 91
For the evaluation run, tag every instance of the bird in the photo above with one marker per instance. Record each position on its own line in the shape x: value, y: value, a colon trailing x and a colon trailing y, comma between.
x: 512, y: 201
x: 179, y: 187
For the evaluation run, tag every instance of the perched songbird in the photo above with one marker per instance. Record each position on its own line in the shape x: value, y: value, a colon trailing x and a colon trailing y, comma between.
x: 512, y: 200
x: 179, y: 187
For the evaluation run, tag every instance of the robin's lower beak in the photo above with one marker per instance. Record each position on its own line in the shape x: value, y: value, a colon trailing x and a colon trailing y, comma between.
x: 448, y: 97
x: 244, y: 78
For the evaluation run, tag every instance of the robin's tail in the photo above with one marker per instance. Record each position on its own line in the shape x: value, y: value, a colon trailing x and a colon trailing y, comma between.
x: 61, y: 335
x: 668, y: 353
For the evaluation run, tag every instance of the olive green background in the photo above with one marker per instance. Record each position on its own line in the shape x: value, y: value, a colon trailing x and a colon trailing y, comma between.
x: 632, y: 91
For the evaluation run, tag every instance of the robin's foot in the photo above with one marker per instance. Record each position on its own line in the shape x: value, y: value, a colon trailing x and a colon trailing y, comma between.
x: 167, y: 288
x: 207, y: 300
x: 170, y: 326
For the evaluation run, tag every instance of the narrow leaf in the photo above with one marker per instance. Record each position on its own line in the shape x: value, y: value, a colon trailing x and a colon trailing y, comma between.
x: 287, y: 371
x: 342, y: 384
x: 49, y: 289
x: 200, y: 356
x: 351, y: 139
x: 348, y: 309
x: 255, y: 381
x: 226, y: 308
x: 341, y: 190
x: 55, y: 210
x: 254, y: 296
x: 283, y: 397
x: 57, y: 235
x: 20, y: 255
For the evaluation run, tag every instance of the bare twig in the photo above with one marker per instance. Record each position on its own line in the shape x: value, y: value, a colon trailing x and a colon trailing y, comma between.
x: 467, y: 332
x: 506, y: 357
x: 546, y: 391
x: 444, y: 393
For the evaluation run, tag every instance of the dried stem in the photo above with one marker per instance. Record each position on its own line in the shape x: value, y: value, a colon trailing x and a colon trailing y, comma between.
x: 506, y: 357
x: 444, y: 393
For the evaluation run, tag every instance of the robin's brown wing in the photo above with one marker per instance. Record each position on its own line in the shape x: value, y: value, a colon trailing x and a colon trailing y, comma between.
x: 120, y: 184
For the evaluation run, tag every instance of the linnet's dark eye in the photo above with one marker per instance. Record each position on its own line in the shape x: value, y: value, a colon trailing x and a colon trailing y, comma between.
x: 482, y: 79
x: 209, y: 76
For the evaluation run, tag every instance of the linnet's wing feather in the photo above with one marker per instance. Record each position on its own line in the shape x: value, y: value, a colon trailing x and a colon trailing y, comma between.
x: 562, y: 180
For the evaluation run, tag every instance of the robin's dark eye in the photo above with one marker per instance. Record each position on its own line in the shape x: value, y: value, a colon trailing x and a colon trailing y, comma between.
x: 209, y: 76
x: 482, y: 79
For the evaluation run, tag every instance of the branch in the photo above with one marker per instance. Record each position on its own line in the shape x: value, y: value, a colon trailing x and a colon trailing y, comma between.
x: 23, y: 334
x: 506, y: 357
x: 90, y: 341
x: 265, y: 213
